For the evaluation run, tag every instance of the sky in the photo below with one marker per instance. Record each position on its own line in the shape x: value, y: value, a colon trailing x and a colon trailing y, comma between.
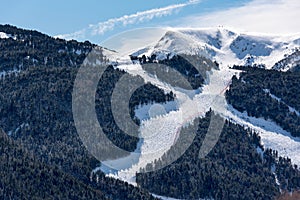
x: 97, y: 20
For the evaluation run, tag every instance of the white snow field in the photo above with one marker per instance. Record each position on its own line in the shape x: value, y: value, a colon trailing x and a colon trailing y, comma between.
x: 159, y: 131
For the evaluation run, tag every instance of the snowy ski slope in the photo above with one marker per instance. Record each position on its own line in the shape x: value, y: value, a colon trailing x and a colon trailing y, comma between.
x: 227, y: 48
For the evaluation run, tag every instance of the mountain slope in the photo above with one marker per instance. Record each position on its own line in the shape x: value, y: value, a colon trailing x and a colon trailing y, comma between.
x: 36, y: 112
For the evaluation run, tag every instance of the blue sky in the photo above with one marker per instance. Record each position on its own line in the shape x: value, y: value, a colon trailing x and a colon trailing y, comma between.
x: 73, y: 19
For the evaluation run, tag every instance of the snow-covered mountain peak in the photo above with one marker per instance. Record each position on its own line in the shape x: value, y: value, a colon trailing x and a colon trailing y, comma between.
x: 176, y: 42
x: 210, y: 36
x: 218, y: 43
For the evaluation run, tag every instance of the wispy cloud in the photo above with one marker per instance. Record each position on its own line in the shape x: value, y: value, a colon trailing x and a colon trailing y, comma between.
x: 139, y: 17
x: 276, y: 17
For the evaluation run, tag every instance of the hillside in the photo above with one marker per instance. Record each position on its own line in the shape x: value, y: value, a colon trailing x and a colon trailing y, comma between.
x: 24, y: 176
x: 36, y: 112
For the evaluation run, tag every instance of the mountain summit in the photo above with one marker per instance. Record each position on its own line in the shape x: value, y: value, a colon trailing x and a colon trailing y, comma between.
x: 229, y: 47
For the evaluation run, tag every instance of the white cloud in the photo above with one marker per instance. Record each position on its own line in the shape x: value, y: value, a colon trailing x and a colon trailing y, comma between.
x: 139, y: 17
x: 133, y: 40
x: 265, y: 16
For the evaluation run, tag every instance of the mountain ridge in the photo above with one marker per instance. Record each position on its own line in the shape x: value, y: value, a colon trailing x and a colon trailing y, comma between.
x: 250, y: 49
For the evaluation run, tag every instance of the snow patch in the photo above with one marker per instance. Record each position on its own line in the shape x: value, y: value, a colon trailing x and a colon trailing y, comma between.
x: 145, y: 112
x: 170, y: 198
x: 13, y: 132
x: 78, y: 52
x: 4, y: 35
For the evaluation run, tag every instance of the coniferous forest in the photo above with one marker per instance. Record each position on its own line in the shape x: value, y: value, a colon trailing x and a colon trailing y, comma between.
x: 268, y: 94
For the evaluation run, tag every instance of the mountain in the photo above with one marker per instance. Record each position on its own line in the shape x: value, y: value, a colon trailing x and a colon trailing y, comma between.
x: 258, y: 98
x: 227, y: 47
x: 237, y: 95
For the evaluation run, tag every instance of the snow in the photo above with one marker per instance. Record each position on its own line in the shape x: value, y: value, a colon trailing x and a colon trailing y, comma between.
x: 245, y: 45
x: 164, y: 197
x: 275, y: 97
x: 273, y: 170
x: 145, y: 112
x: 111, y: 167
x: 170, y: 198
x: 294, y: 110
x: 180, y: 43
x: 78, y: 52
x: 10, y: 133
x: 209, y: 42
x: 289, y: 62
x: 4, y: 35
x: 142, y: 51
x: 114, y: 58
x: 260, y: 152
